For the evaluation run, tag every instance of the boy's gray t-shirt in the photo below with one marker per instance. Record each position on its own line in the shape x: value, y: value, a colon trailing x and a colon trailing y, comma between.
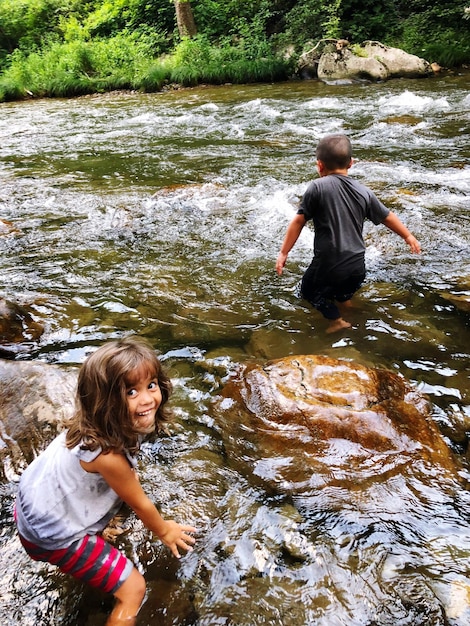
x: 338, y: 206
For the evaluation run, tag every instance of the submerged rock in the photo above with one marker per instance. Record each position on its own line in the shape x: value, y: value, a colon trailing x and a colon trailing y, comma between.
x: 310, y: 420
x: 288, y: 417
x: 17, y: 327
x: 459, y: 295
x: 460, y: 300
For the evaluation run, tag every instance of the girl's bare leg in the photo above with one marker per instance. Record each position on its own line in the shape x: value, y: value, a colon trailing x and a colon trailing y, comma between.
x: 129, y: 598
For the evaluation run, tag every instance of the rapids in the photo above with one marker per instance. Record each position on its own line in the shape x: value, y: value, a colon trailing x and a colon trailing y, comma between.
x: 162, y: 215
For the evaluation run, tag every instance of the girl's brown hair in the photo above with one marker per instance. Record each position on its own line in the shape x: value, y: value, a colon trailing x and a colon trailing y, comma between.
x: 102, y: 417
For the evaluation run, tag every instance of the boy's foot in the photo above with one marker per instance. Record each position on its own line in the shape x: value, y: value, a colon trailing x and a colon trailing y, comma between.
x: 338, y: 324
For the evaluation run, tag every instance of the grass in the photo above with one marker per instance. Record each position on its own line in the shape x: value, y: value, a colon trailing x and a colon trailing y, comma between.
x: 83, y: 67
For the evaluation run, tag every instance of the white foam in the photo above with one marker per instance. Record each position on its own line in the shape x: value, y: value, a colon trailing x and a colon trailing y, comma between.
x: 408, y: 101
x: 209, y: 106
x: 326, y: 104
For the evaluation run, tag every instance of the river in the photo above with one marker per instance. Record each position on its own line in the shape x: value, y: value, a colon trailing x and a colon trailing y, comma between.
x: 162, y: 215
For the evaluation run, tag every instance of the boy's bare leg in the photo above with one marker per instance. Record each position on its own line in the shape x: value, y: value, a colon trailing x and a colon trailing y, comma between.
x: 338, y: 324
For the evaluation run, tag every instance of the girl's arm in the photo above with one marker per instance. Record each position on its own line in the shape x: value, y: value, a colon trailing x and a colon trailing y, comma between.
x: 119, y: 475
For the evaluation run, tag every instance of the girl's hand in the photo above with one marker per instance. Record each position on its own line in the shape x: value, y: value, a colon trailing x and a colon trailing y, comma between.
x: 175, y: 535
x: 119, y: 475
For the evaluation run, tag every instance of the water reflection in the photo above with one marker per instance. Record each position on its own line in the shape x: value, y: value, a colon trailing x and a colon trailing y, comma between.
x: 162, y: 215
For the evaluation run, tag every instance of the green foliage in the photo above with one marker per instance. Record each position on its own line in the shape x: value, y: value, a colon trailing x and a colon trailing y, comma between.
x: 153, y: 76
x: 379, y: 21
x: 305, y: 22
x: 435, y: 31
x: 25, y: 23
x: 448, y: 46
x: 196, y: 60
x: 358, y: 51
x: 67, y: 47
x: 29, y: 24
x: 332, y: 24
x: 448, y: 13
x: 79, y: 67
x: 112, y: 16
x: 230, y: 18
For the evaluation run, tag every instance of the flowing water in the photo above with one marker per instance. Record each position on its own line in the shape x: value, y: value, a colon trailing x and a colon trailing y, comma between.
x: 163, y: 215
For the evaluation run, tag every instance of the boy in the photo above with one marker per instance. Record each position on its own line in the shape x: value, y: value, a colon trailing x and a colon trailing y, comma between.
x: 338, y: 206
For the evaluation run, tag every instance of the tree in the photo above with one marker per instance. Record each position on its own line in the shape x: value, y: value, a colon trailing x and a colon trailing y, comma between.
x: 185, y: 18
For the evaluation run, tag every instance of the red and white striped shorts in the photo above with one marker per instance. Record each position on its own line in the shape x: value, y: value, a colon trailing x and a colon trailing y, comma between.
x: 91, y: 559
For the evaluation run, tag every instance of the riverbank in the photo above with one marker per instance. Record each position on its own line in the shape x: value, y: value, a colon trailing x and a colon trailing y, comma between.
x: 84, y: 67
x: 127, y: 63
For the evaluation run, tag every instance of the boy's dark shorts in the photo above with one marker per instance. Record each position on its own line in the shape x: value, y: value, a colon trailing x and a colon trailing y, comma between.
x: 323, y: 290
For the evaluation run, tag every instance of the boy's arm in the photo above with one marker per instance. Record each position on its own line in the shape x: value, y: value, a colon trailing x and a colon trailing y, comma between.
x: 122, y: 479
x: 394, y: 223
x: 293, y: 231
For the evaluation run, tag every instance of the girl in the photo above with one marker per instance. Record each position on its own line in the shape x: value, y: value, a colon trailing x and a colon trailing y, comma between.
x: 69, y: 493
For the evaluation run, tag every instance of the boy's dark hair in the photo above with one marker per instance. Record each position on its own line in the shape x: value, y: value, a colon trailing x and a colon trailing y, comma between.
x: 102, y: 418
x: 335, y: 152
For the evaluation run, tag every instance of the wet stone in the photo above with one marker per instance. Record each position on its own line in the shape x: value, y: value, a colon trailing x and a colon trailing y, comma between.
x: 307, y: 421
x: 17, y: 328
x: 36, y: 400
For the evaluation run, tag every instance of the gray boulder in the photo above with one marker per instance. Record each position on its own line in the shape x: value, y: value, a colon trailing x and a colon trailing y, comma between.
x: 370, y: 60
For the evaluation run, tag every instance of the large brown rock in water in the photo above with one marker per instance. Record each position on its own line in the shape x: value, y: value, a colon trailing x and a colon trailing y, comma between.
x: 305, y: 421
x: 36, y: 400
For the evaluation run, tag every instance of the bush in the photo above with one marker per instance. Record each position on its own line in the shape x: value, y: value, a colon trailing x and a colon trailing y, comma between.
x: 25, y: 23
x: 229, y: 18
x: 448, y: 46
x: 196, y: 60
x: 77, y: 67
x: 110, y: 17
x: 10, y: 89
x: 303, y: 24
x: 379, y: 21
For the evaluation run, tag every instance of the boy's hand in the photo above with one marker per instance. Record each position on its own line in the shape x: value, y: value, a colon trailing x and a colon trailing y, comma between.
x: 175, y: 535
x: 413, y: 243
x: 280, y: 263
